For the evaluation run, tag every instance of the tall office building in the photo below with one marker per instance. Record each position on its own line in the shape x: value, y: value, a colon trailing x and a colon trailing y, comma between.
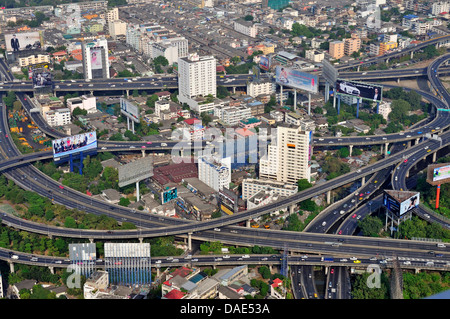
x: 288, y: 158
x: 197, y: 77
x: 216, y: 173
x: 95, y: 59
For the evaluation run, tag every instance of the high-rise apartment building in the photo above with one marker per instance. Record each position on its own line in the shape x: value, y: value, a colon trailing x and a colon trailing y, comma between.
x: 352, y: 45
x: 197, y: 77
x: 95, y: 59
x: 287, y: 160
x: 337, y: 49
x: 214, y: 172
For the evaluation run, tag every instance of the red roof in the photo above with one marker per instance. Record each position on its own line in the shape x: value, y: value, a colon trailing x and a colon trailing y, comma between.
x: 59, y: 53
x: 174, y: 294
x: 182, y: 272
x: 191, y: 121
x: 277, y: 282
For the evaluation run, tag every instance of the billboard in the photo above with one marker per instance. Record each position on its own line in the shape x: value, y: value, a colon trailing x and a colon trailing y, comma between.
x: 23, y: 41
x: 168, y: 195
x: 365, y: 91
x: 135, y: 171
x: 41, y: 78
x: 399, y: 203
x: 74, y: 144
x: 438, y: 174
x: 264, y: 63
x: 297, y: 79
x: 129, y: 109
x: 329, y: 72
x: 441, y: 173
x: 96, y: 59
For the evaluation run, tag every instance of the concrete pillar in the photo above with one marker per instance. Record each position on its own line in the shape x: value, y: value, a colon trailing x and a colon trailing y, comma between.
x: 417, y: 140
x: 189, y: 241
x: 363, y: 180
x: 11, y: 267
x: 309, y: 103
x: 328, y: 197
x: 327, y: 91
x: 295, y: 100
x: 281, y: 95
x: 408, y: 145
x: 434, y: 156
x: 157, y: 272
x: 143, y: 153
x: 138, y: 197
x: 386, y: 149
x: 141, y: 240
x: 350, y: 148
x: 128, y: 92
x: 247, y: 223
x: 398, y: 80
x: 412, y: 55
x: 234, y: 90
x: 291, y: 209
x: 334, y: 98
x: 91, y: 240
x: 357, y: 69
x: 52, y: 270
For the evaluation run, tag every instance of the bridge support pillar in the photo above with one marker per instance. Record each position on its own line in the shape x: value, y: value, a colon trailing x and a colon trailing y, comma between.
x: 157, y: 272
x: 408, y: 145
x: 328, y: 197
x: 234, y: 90
x: 291, y: 209
x: 386, y: 149
x: 412, y: 55
x: 127, y: 92
x: 137, y: 192
x: 52, y: 270
x: 327, y: 91
x: 91, y: 240
x: 247, y: 223
x: 189, y: 241
x: 363, y: 181
x: 434, y: 157
x: 141, y: 240
x: 143, y: 153
x: 407, y: 174
x: 334, y: 99
x: 358, y: 69
x: 417, y: 141
x: 350, y: 149
x: 398, y: 80
x: 11, y: 267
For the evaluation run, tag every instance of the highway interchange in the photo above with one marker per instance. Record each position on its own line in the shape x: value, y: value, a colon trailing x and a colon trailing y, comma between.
x: 26, y: 176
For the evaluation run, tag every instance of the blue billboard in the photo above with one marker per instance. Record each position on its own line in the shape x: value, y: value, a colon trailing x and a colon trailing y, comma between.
x: 74, y: 144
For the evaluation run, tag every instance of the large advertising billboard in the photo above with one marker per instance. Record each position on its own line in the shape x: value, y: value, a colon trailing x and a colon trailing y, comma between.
x: 23, y: 41
x: 365, y: 91
x: 296, y: 79
x: 264, y: 63
x: 74, y: 144
x: 96, y: 59
x: 41, y: 78
x: 129, y: 109
x: 441, y: 173
x: 399, y: 203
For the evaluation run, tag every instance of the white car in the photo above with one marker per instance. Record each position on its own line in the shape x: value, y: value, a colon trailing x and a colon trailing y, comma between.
x: 346, y: 88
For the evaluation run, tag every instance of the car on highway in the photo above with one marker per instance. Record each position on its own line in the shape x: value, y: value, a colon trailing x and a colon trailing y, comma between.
x: 149, y: 143
x: 143, y: 146
x: 354, y: 216
x: 406, y: 160
x: 60, y: 186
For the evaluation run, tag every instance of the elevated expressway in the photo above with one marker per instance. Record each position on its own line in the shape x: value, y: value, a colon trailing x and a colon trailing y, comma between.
x: 254, y: 237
